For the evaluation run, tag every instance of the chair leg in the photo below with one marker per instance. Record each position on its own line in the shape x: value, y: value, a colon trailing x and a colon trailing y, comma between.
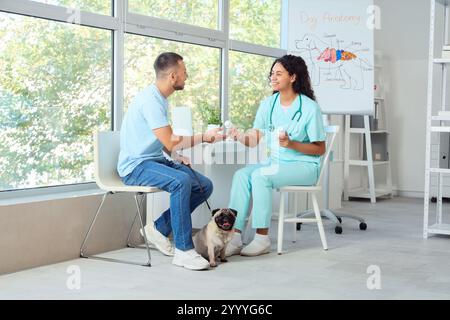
x: 319, y: 222
x: 142, y: 226
x: 129, y: 244
x: 280, y: 224
x: 350, y: 216
x: 83, y: 245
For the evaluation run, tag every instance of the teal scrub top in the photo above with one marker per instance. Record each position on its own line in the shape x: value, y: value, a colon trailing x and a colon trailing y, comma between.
x: 307, y: 130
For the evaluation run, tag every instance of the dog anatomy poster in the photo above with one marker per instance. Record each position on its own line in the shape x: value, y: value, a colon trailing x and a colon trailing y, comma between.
x: 336, y: 40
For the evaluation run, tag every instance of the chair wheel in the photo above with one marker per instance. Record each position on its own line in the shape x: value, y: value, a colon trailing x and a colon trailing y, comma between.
x: 299, y: 226
x: 362, y: 226
x: 339, y: 219
x: 338, y: 229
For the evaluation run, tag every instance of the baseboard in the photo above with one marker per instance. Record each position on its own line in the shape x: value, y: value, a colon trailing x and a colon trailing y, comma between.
x: 409, y: 194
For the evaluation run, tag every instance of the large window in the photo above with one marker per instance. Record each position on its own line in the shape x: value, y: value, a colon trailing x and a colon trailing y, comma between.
x: 55, y: 90
x: 202, y: 13
x: 96, y: 6
x: 71, y: 67
x: 248, y: 86
x: 202, y: 90
x: 256, y: 21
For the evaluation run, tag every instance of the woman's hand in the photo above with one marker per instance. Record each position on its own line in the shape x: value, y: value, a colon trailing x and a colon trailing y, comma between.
x: 213, y: 135
x: 250, y: 138
x: 234, y: 133
x: 283, y: 138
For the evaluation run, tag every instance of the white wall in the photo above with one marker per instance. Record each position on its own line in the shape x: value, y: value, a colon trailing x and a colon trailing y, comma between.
x: 403, y: 41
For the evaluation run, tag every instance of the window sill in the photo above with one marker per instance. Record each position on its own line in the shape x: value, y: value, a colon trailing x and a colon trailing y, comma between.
x: 17, y: 200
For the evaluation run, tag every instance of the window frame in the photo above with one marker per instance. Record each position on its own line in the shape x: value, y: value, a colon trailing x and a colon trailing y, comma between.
x: 122, y: 21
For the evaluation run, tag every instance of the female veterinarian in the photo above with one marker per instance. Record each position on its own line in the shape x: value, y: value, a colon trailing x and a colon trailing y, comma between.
x: 292, y: 123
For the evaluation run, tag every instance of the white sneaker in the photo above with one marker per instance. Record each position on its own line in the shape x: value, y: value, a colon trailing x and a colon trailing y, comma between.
x: 190, y: 259
x: 232, y: 249
x: 256, y: 247
x: 158, y: 240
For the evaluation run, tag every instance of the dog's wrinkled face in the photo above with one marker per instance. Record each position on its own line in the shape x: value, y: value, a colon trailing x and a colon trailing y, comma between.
x: 225, y: 218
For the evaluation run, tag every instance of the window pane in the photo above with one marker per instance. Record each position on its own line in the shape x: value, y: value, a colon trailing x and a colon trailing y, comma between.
x: 202, y: 90
x: 202, y: 13
x: 248, y: 85
x: 257, y: 22
x: 55, y: 90
x: 95, y: 6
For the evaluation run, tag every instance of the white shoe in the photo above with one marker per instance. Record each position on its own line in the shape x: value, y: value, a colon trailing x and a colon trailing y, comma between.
x: 190, y: 259
x: 158, y: 240
x: 256, y: 247
x: 232, y: 249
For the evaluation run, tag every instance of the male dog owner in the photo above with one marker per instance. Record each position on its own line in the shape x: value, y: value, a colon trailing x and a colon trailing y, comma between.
x: 144, y: 135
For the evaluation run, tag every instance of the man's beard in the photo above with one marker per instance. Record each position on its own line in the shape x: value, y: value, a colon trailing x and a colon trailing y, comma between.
x: 178, y: 87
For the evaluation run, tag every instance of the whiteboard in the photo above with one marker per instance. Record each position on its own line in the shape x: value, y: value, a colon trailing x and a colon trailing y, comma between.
x: 336, y: 40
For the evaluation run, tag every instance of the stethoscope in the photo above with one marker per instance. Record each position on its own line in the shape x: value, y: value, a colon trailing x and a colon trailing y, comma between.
x: 297, y: 115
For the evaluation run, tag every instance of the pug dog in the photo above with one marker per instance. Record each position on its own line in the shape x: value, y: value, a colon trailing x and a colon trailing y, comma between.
x: 212, y: 240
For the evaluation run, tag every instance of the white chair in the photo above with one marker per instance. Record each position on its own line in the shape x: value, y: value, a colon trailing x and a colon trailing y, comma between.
x: 331, y: 132
x: 106, y: 153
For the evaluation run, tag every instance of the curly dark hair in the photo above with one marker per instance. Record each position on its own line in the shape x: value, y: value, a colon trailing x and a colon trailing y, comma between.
x: 296, y: 65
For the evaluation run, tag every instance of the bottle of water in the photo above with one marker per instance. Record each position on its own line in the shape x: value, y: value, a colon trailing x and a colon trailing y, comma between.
x: 227, y: 126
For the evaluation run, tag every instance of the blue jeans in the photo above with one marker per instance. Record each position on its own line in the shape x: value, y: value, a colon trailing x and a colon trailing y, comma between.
x: 185, y: 196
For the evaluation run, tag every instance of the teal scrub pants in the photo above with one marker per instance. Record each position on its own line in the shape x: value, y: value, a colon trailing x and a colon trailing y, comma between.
x: 258, y: 181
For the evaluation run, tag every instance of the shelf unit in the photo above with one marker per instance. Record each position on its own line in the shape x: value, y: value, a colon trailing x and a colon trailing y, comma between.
x: 436, y: 124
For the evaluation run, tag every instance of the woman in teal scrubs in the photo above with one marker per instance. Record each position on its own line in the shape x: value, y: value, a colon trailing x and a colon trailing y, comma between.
x: 292, y: 124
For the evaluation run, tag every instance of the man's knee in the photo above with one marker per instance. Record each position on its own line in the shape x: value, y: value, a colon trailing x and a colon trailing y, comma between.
x: 208, y: 186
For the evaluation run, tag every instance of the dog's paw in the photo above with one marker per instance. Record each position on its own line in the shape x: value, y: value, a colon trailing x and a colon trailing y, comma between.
x: 223, y: 260
x: 213, y: 264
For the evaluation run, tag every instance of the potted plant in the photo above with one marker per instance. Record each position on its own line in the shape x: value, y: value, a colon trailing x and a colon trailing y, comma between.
x: 211, y: 116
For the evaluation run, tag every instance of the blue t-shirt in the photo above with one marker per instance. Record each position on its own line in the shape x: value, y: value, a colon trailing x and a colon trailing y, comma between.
x: 147, y: 111
x: 308, y: 129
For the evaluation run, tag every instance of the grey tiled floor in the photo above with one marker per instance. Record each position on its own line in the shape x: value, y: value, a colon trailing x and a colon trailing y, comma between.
x: 411, y: 267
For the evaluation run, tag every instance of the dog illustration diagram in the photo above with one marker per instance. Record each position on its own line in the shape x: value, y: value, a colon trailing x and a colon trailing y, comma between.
x: 329, y: 60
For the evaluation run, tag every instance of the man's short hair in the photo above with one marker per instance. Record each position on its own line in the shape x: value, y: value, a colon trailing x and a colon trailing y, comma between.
x: 165, y: 61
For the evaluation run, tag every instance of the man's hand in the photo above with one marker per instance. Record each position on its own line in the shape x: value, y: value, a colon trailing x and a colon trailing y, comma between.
x: 182, y: 159
x: 283, y: 138
x: 213, y: 135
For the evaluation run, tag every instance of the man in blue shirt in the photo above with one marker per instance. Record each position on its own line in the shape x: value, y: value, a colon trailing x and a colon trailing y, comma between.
x: 145, y: 134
